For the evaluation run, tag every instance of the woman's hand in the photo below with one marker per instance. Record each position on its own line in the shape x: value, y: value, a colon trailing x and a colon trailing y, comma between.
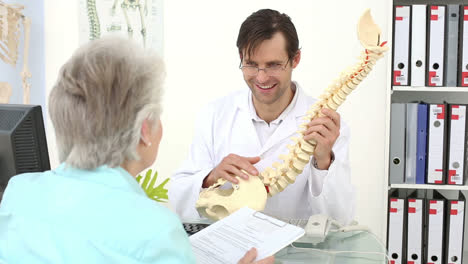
x: 250, y: 256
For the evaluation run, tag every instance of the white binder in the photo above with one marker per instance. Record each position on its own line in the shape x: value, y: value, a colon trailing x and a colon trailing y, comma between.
x: 455, y: 229
x: 401, y: 45
x: 464, y: 49
x: 415, y: 233
x: 435, y: 231
x: 418, y: 45
x: 456, y: 143
x: 436, y: 46
x: 436, y: 143
x: 396, y: 229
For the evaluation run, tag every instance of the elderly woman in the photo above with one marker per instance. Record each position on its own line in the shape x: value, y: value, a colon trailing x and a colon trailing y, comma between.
x: 106, y: 108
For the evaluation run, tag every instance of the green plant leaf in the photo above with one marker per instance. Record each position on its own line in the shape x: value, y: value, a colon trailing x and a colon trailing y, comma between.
x: 157, y: 193
x: 138, y: 178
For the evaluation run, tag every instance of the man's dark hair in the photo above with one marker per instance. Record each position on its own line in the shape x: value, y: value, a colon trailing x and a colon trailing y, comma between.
x: 262, y: 25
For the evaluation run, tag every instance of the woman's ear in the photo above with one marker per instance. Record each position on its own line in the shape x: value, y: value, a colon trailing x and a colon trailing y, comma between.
x: 145, y: 133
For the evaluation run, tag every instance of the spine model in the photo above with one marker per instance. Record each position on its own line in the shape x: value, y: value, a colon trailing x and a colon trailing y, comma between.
x: 281, y: 174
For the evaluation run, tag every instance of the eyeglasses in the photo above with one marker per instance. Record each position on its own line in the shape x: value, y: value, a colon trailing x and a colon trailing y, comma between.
x: 272, y: 70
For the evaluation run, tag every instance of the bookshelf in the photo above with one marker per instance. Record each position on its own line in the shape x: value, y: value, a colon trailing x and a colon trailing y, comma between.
x: 429, y: 95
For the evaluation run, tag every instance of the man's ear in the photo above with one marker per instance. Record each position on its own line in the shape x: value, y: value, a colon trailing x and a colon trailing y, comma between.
x: 145, y: 133
x: 296, y: 59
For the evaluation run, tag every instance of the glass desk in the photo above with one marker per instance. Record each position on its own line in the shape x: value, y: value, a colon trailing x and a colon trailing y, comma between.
x: 350, y: 247
x: 338, y: 247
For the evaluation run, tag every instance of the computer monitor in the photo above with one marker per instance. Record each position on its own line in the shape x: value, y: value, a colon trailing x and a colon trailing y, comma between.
x: 23, y: 145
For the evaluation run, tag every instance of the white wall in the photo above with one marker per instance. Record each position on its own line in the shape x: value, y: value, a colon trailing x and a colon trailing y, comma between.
x: 202, y: 64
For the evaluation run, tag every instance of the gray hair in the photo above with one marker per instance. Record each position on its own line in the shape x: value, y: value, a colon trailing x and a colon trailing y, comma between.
x: 103, y: 94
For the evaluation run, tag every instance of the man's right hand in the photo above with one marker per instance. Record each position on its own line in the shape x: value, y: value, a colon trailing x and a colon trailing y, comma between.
x: 230, y: 167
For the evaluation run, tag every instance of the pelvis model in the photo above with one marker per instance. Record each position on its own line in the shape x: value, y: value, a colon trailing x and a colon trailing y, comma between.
x: 216, y: 203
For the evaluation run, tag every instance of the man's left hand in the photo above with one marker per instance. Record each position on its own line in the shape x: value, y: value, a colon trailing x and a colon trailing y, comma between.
x: 324, y: 130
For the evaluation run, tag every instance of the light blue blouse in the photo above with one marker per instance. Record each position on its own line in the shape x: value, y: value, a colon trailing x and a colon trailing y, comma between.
x: 80, y: 216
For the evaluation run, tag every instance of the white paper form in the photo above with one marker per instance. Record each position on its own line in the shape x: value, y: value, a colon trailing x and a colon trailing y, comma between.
x: 227, y: 240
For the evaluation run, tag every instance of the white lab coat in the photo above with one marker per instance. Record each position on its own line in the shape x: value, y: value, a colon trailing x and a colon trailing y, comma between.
x: 225, y: 126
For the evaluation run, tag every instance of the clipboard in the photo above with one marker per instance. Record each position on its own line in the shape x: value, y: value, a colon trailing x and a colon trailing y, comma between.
x: 229, y: 239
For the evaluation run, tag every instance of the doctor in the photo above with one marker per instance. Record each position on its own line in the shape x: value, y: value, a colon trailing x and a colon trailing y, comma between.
x: 250, y: 128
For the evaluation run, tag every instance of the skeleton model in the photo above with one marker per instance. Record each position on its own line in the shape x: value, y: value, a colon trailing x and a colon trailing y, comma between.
x: 134, y: 5
x: 217, y: 203
x: 94, y: 25
x: 5, y: 92
x: 10, y: 17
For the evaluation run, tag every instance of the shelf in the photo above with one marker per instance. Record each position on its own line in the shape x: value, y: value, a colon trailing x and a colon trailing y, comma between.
x: 429, y: 186
x: 450, y: 95
x: 429, y: 89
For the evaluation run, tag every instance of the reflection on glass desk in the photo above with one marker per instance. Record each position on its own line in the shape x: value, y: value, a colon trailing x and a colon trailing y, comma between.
x: 338, y: 247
